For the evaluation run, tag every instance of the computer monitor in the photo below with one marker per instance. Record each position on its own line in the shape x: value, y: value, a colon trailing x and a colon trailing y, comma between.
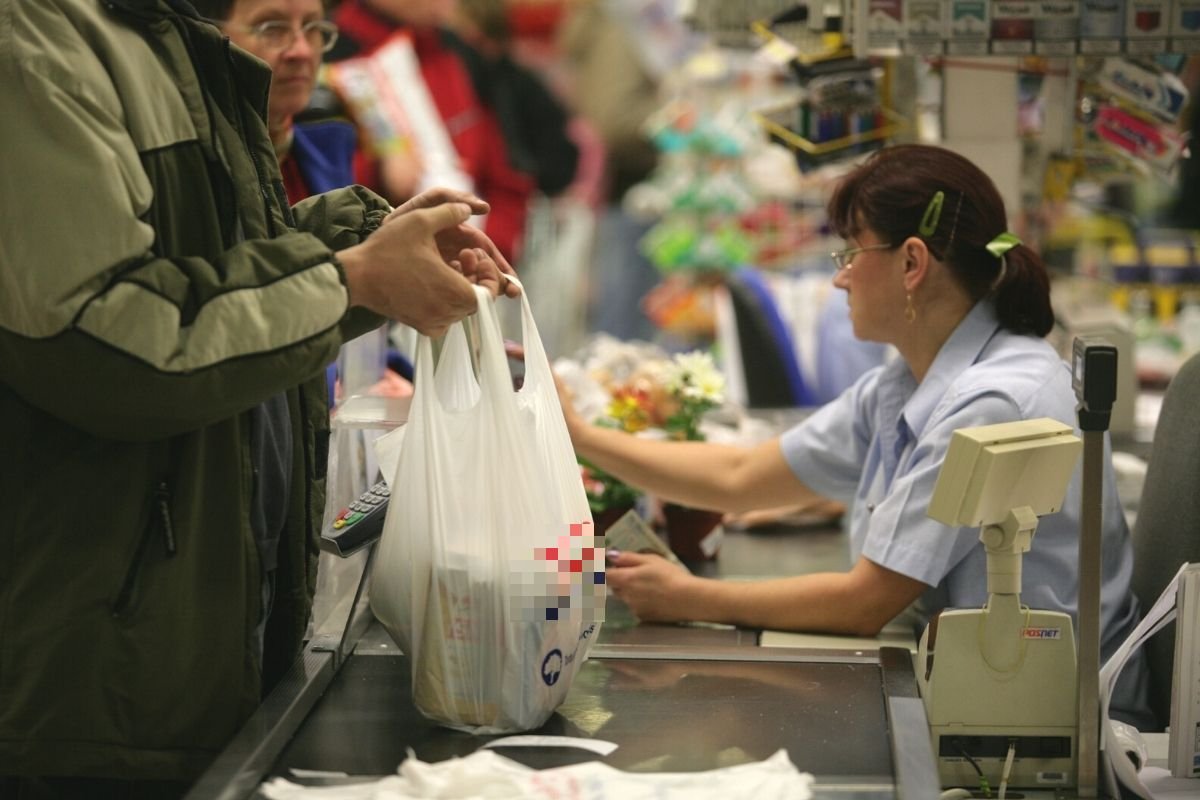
x: 991, y: 469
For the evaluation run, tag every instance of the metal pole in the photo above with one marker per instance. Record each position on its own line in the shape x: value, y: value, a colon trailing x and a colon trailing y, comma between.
x: 1088, y: 664
x: 1094, y: 379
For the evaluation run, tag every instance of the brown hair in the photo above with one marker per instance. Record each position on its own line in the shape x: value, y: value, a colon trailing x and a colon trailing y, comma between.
x: 891, y: 192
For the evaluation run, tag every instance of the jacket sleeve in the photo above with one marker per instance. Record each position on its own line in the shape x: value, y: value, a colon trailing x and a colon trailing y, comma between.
x: 342, y: 218
x: 96, y: 327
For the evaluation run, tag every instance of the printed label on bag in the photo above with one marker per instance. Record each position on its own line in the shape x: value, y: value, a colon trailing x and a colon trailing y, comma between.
x: 564, y: 582
x: 555, y: 662
x: 552, y: 667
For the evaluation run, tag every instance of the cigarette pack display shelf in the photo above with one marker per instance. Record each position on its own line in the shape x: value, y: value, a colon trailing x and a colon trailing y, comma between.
x: 814, y: 152
x: 729, y: 24
x: 1090, y: 27
x: 768, y: 119
x: 840, y: 107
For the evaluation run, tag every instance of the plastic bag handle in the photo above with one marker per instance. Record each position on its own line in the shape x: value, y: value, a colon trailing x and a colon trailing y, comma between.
x: 537, y: 363
x: 426, y: 398
x: 495, y: 381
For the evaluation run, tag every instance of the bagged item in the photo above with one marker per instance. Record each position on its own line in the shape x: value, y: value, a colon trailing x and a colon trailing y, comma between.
x: 484, y: 774
x: 488, y: 575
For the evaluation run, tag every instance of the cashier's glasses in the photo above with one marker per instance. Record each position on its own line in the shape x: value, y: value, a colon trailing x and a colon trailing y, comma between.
x: 844, y: 259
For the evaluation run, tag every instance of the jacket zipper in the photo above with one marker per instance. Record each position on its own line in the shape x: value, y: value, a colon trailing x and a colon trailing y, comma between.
x: 162, y: 498
x: 160, y: 523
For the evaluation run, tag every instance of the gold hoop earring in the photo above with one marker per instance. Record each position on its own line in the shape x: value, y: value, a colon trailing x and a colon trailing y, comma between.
x: 910, y: 313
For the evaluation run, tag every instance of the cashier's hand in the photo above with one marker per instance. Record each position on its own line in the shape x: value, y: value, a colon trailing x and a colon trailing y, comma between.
x: 652, y: 587
x: 575, y: 423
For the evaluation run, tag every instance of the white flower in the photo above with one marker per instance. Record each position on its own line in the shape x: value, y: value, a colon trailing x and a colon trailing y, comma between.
x: 694, y: 376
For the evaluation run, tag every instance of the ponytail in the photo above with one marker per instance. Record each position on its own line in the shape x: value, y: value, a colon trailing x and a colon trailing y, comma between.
x: 1022, y: 293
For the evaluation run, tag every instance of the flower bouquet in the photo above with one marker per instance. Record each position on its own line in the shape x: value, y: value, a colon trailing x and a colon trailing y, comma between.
x: 693, y: 386
x: 640, y: 390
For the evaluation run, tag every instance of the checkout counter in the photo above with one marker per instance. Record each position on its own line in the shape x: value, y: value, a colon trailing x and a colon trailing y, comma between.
x: 673, y: 698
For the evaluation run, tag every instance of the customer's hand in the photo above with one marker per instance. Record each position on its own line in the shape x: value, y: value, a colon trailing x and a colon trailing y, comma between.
x: 399, y: 271
x: 439, y: 195
x: 454, y: 240
x: 651, y: 586
x: 478, y: 267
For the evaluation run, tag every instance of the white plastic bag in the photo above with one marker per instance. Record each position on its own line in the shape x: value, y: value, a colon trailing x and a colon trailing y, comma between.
x: 484, y: 774
x: 488, y: 575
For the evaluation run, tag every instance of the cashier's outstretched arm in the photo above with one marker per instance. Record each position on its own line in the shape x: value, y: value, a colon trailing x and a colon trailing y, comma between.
x: 855, y: 603
x: 698, y: 474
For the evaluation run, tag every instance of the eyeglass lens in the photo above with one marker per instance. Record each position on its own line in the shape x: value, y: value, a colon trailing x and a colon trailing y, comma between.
x: 319, y: 34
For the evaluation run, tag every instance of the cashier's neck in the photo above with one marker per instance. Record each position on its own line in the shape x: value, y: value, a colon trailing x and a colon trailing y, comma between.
x: 939, y: 304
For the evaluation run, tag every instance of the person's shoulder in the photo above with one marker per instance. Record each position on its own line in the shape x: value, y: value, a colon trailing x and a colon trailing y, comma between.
x: 40, y: 29
x: 481, y: 69
x: 58, y: 41
x: 452, y: 41
x: 1024, y: 369
x: 1021, y: 357
x: 84, y: 17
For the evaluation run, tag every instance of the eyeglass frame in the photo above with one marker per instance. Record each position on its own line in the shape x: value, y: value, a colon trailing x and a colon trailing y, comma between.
x: 324, y: 26
x: 844, y: 259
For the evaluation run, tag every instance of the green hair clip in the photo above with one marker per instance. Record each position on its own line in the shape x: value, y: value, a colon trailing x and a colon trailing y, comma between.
x: 933, y: 213
x: 1002, y: 244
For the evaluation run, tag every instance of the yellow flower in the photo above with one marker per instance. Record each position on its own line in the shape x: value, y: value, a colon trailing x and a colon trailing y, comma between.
x: 631, y: 409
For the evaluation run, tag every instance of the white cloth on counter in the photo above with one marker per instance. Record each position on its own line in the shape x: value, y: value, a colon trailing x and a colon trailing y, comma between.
x: 485, y: 775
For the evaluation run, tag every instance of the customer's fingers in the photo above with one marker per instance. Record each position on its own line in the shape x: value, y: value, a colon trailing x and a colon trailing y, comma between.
x: 440, y: 196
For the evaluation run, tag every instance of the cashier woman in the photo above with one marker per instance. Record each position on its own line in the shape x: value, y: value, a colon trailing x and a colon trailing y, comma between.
x: 929, y: 268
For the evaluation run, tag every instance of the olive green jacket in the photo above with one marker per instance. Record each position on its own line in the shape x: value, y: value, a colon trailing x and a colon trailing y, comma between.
x: 154, y: 287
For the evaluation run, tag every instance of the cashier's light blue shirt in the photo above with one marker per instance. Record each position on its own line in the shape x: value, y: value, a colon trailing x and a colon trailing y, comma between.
x: 879, y: 446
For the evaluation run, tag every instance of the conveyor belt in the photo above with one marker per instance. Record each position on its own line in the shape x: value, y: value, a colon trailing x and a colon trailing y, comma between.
x: 673, y: 698
x: 667, y: 709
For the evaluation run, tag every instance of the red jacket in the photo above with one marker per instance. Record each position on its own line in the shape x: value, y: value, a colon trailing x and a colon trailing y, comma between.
x: 472, y: 126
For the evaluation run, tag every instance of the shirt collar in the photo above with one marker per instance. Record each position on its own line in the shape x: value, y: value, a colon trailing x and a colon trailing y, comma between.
x: 960, y: 351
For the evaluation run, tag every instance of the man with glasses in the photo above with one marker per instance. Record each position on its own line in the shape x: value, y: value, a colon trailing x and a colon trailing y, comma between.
x: 165, y: 323
x: 291, y: 36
